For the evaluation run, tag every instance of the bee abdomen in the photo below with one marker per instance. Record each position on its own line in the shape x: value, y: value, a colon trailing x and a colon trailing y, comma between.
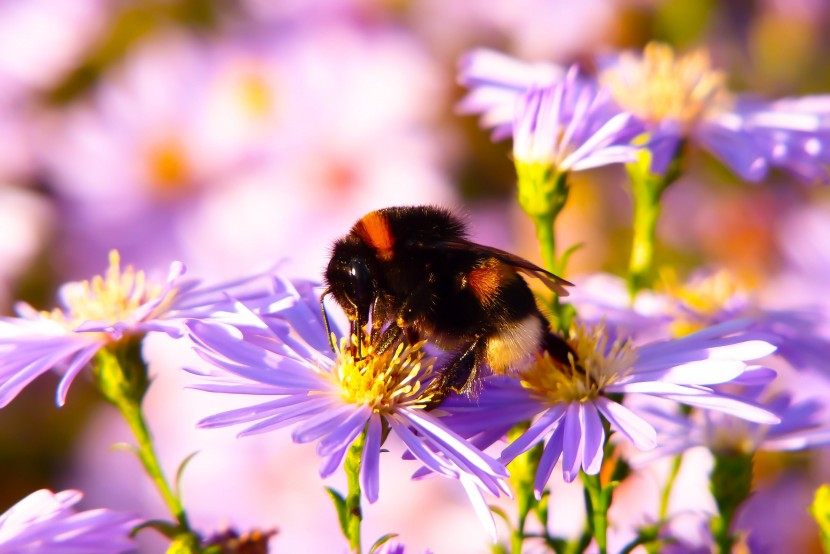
x: 515, y: 343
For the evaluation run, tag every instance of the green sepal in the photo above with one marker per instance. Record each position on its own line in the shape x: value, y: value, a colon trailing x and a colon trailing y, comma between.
x: 120, y: 372
x: 341, y: 509
x: 381, y: 541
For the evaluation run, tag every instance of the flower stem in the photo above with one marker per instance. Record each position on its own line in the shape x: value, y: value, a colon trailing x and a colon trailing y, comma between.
x: 522, y: 475
x: 597, y: 500
x: 731, y: 483
x: 121, y: 376
x: 647, y: 188
x: 353, y: 515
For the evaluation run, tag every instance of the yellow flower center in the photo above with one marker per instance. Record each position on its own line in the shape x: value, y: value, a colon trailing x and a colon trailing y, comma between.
x: 661, y: 86
x: 700, y: 300
x: 112, y: 298
x: 582, y: 379
x: 386, y: 381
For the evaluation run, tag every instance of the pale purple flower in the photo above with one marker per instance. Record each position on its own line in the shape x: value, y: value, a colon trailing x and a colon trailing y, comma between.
x: 707, y: 298
x: 332, y: 397
x: 677, y: 98
x: 497, y: 82
x: 566, y: 405
x: 571, y: 126
x: 803, y: 425
x: 98, y: 312
x: 48, y: 523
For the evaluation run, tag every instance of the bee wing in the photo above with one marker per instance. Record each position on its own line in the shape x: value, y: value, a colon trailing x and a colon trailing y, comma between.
x: 553, y: 282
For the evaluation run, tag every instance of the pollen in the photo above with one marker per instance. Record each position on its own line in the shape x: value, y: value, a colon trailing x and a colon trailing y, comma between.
x: 385, y: 381
x: 701, y: 300
x: 114, y: 297
x: 597, y: 364
x: 662, y: 86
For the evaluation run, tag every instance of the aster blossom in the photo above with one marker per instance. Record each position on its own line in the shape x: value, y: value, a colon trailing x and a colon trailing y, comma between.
x: 566, y: 403
x: 706, y: 298
x: 571, y: 125
x: 678, y: 98
x: 99, y: 312
x: 802, y: 426
x: 335, y: 397
x: 46, y: 522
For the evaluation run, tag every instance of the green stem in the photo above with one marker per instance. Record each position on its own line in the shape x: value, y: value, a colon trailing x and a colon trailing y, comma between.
x: 522, y: 474
x: 353, y: 512
x: 646, y: 213
x: 731, y: 483
x: 598, y: 500
x: 647, y: 190
x: 121, y: 376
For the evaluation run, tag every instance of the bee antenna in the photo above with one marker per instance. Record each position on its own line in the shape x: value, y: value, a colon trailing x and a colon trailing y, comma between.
x: 326, y: 319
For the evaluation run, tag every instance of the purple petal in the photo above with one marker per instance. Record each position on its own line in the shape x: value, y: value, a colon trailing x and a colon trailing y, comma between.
x: 370, y: 463
x: 550, y: 455
x: 593, y: 438
x: 530, y: 437
x: 573, y: 442
x: 635, y: 428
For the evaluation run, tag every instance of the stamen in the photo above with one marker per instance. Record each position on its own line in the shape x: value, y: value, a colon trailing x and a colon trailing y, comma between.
x: 661, y: 86
x: 596, y: 366
x: 386, y: 381
x: 112, y: 298
x: 701, y: 300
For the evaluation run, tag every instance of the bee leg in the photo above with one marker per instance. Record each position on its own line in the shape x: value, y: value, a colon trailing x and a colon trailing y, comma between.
x: 459, y: 374
x: 389, y: 337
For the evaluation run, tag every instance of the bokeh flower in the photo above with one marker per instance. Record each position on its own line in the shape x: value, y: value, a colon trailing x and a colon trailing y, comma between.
x: 566, y: 402
x: 48, y: 523
x: 334, y: 398
x: 99, y: 312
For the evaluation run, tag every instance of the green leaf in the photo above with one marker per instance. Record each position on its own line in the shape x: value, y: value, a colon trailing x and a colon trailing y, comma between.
x: 341, y: 508
x: 380, y: 542
x: 566, y: 255
x: 180, y: 472
x: 166, y: 528
x: 502, y: 514
x: 821, y: 512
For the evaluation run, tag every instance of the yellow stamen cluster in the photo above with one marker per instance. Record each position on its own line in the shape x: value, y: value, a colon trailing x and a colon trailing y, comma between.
x: 112, y: 298
x: 596, y: 366
x: 386, y: 381
x: 700, y: 300
x: 661, y: 86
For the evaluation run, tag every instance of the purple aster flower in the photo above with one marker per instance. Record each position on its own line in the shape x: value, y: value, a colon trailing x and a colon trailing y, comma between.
x: 47, y: 523
x: 708, y: 298
x: 677, y: 98
x: 99, y: 312
x: 497, y: 82
x: 566, y: 405
x: 803, y: 425
x: 334, y: 397
x: 571, y: 126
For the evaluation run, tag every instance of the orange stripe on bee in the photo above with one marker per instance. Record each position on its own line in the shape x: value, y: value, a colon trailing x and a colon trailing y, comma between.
x: 374, y: 229
x: 486, y: 280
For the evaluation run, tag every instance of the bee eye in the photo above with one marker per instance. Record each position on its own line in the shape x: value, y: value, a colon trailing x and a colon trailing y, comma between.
x: 362, y: 290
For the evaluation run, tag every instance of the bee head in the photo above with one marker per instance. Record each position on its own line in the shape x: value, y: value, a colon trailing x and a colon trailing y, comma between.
x: 351, y: 277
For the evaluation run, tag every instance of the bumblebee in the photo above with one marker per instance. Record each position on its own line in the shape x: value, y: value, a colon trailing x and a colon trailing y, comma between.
x: 412, y: 272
